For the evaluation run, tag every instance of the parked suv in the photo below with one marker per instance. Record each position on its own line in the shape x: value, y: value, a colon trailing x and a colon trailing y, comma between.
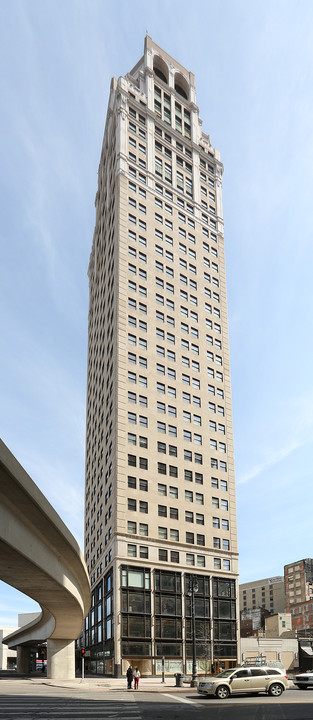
x: 252, y: 679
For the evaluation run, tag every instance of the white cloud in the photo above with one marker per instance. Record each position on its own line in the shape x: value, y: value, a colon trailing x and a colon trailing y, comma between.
x: 271, y: 458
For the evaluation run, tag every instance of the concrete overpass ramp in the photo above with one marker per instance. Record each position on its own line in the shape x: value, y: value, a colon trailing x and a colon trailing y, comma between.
x: 41, y: 558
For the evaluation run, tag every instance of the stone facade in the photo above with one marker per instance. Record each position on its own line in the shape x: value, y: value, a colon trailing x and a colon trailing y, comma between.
x: 160, y: 488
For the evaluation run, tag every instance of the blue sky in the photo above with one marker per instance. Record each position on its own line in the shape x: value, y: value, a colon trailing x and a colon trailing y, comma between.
x: 253, y: 64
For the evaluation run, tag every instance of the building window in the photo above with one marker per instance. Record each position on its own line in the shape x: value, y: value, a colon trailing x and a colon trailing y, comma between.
x: 162, y: 533
x: 163, y: 555
x: 162, y: 469
x: 162, y: 489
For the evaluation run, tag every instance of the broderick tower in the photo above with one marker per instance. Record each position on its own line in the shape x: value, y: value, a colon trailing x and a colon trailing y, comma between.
x: 160, y: 514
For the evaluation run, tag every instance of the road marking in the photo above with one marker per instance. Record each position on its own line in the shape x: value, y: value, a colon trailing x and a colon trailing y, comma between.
x: 255, y: 701
x: 179, y: 699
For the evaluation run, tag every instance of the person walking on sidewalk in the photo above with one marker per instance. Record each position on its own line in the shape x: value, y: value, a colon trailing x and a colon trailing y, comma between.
x: 129, y: 675
x: 136, y: 678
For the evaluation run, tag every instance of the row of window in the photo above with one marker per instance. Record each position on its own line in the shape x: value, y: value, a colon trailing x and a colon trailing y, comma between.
x: 182, y: 247
x: 163, y: 511
x: 173, y: 556
x: 164, y: 109
x: 142, y: 257
x: 188, y: 435
x: 171, y: 354
x: 184, y: 295
x: 172, y: 470
x: 162, y: 148
x: 172, y: 410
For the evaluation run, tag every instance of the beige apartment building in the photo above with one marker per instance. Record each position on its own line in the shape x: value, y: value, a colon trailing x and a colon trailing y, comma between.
x: 268, y: 593
x: 160, y: 513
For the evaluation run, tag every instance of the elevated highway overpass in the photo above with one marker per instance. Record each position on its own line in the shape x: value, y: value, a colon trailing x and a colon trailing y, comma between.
x: 41, y: 558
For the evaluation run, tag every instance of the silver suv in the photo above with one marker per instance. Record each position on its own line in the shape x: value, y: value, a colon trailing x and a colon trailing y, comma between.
x: 252, y: 679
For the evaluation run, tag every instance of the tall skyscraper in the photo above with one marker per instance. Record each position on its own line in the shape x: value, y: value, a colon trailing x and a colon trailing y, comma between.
x: 160, y: 516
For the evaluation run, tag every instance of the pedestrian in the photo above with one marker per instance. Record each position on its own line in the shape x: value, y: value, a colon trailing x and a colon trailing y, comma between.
x: 136, y: 678
x: 129, y: 675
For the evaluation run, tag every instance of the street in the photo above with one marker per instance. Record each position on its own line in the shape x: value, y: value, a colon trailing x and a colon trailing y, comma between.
x: 27, y: 699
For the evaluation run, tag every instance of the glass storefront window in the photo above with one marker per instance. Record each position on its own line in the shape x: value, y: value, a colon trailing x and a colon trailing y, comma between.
x: 169, y: 649
x: 224, y: 630
x: 135, y: 578
x: 224, y: 609
x: 168, y: 605
x: 131, y: 577
x: 225, y: 650
x: 108, y: 629
x: 170, y: 582
x: 223, y: 588
x: 138, y: 602
x: 136, y: 626
x: 136, y: 649
x: 108, y: 605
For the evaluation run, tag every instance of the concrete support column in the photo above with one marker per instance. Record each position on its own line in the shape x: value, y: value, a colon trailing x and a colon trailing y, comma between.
x: 61, y: 659
x: 22, y: 659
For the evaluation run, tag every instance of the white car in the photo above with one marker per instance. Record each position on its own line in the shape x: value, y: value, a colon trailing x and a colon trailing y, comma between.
x: 304, y: 680
x: 256, y: 679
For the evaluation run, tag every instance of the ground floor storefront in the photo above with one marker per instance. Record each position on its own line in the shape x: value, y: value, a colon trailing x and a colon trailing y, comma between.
x: 156, y: 620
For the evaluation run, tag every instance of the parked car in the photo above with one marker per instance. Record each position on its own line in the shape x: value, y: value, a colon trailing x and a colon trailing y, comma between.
x: 252, y: 679
x: 304, y: 680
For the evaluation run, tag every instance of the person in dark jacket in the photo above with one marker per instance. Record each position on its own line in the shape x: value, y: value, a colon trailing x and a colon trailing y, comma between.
x: 129, y: 675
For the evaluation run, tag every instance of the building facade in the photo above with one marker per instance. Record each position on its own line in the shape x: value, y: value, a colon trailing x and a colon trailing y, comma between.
x: 252, y: 622
x: 160, y: 514
x: 268, y: 594
x: 277, y: 625
x: 299, y: 593
x: 278, y: 649
x: 7, y: 656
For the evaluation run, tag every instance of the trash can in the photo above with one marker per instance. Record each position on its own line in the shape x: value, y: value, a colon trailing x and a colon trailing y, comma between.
x: 179, y: 679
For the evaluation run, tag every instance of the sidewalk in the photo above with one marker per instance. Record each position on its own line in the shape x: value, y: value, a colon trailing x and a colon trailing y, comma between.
x: 150, y: 684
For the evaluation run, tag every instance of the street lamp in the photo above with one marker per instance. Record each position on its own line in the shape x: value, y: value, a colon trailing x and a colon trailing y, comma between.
x: 192, y: 589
